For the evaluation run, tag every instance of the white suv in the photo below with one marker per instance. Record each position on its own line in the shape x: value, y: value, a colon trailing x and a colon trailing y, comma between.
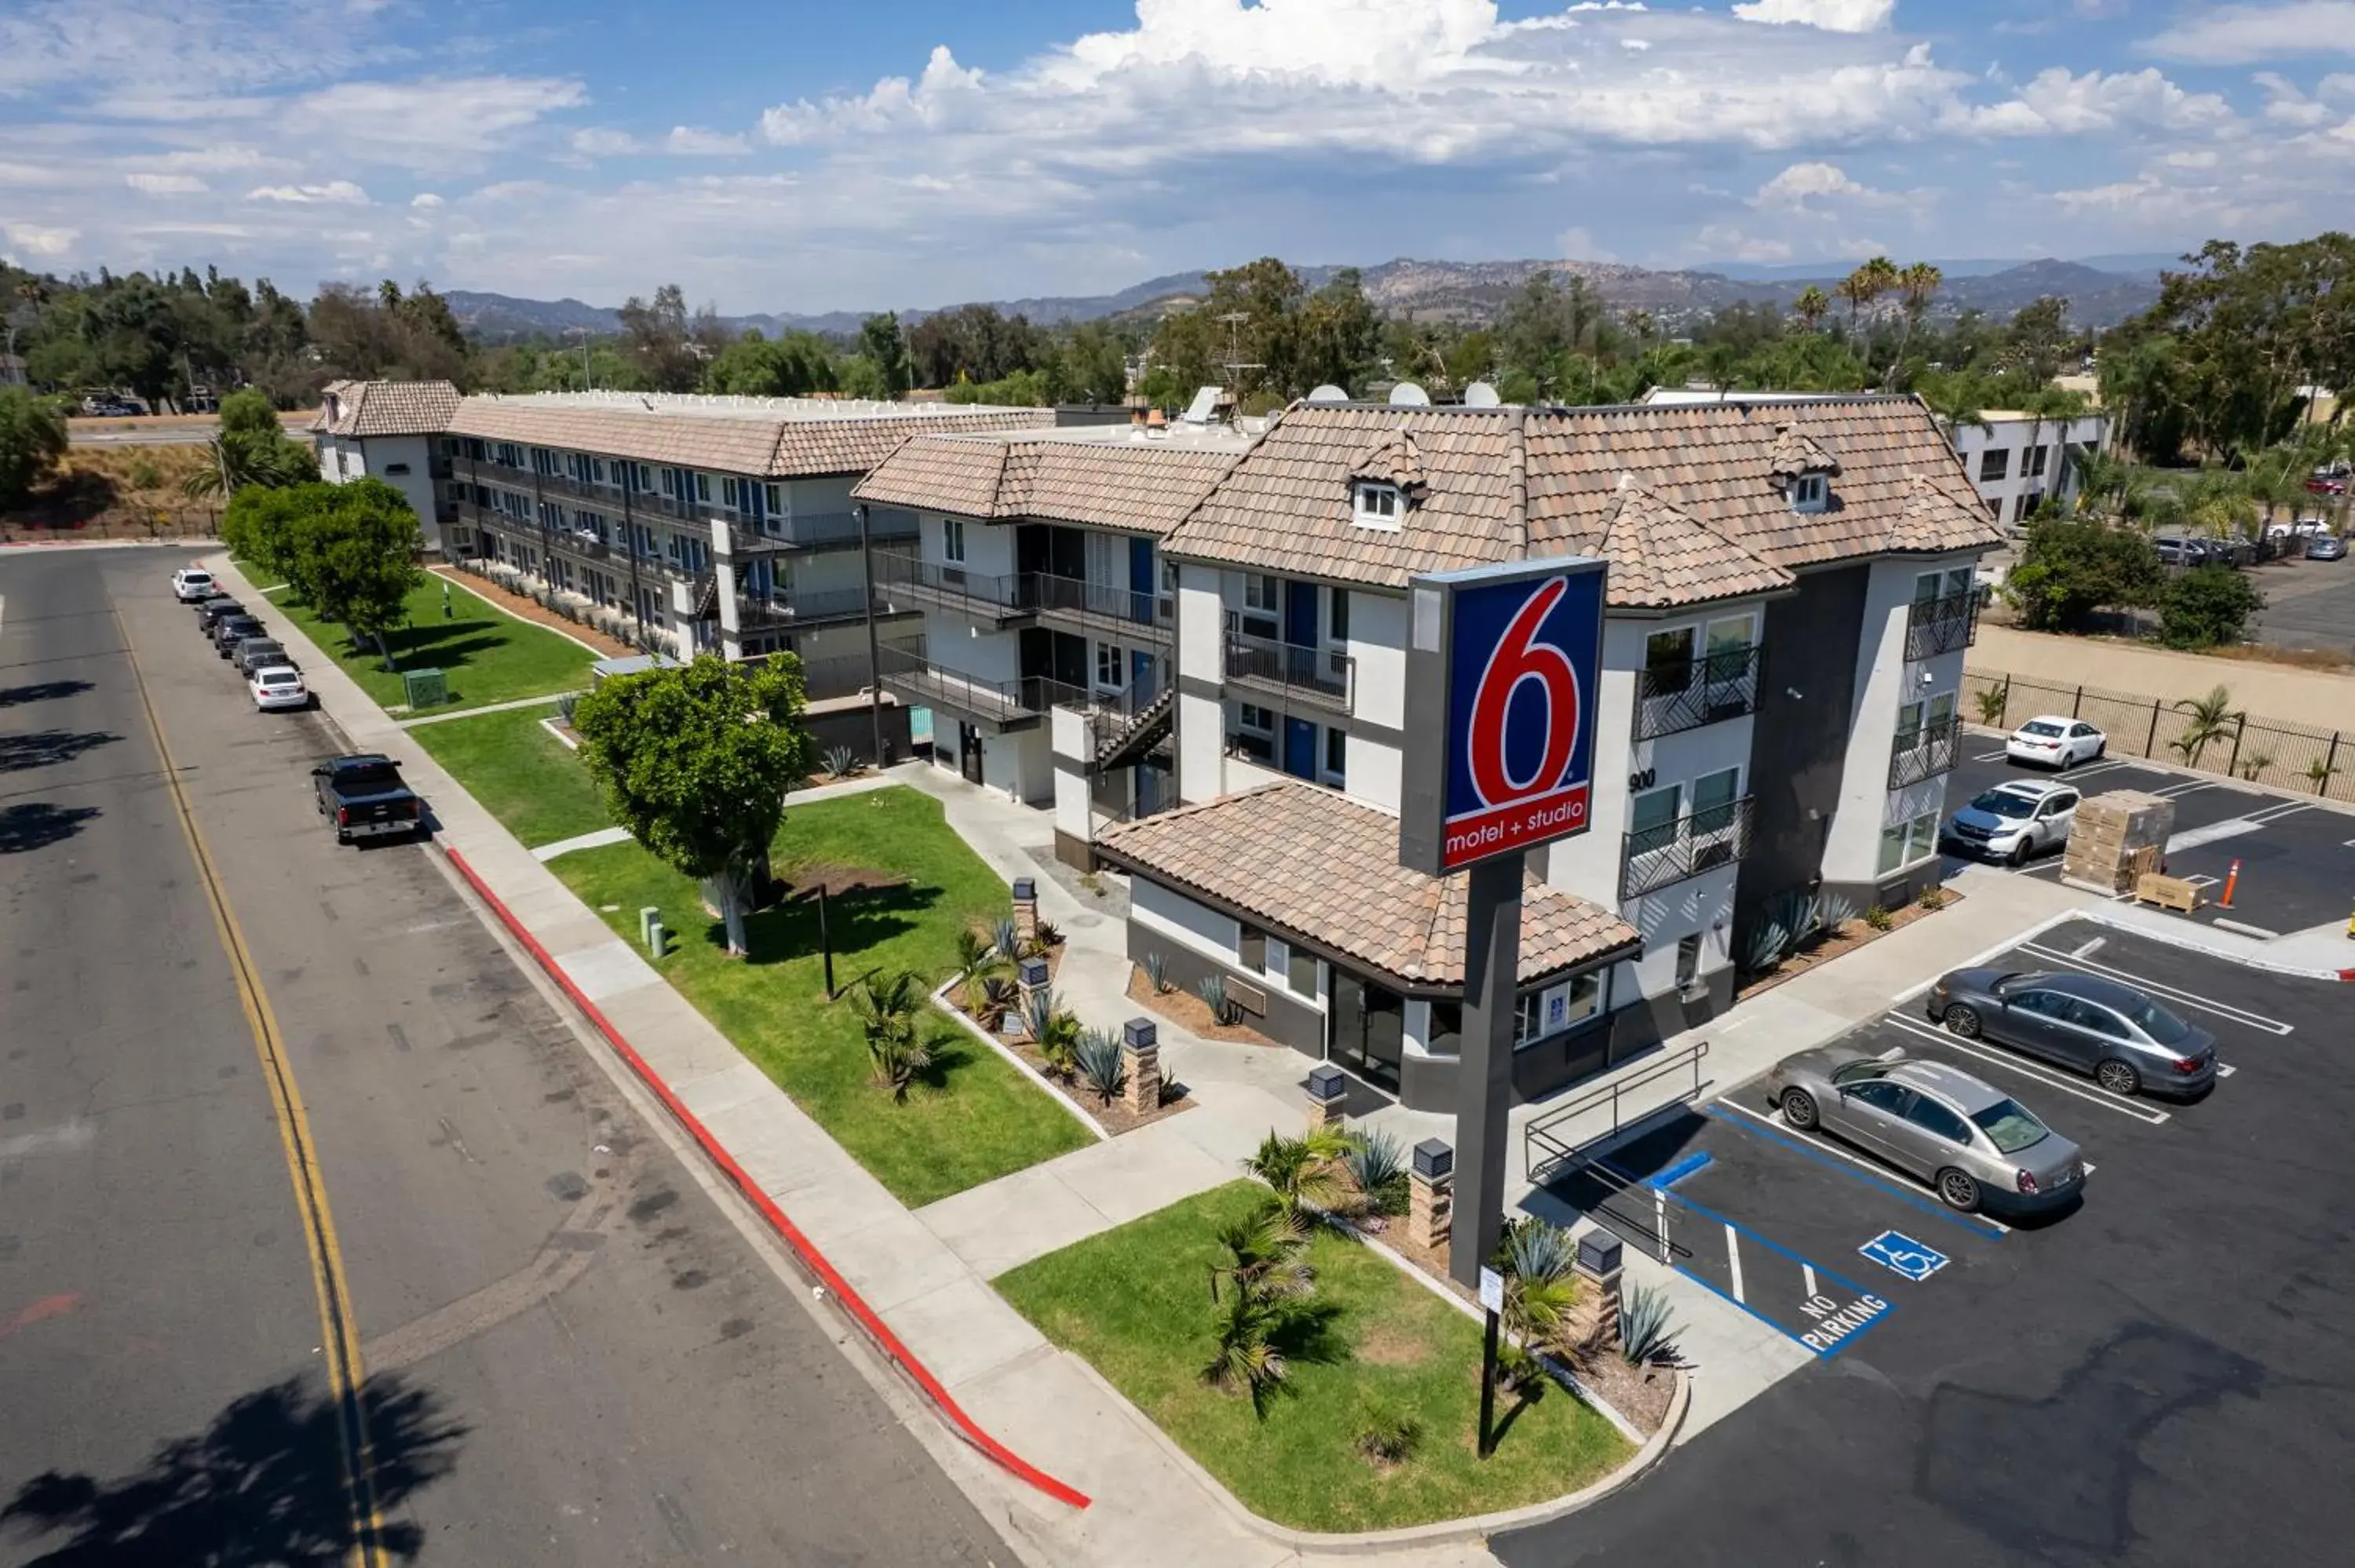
x: 190, y: 584
x: 2015, y: 820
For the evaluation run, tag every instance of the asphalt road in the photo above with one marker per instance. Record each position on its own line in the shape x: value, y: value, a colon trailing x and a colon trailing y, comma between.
x: 182, y: 433
x: 2309, y: 604
x: 571, y: 1355
x: 2159, y: 1377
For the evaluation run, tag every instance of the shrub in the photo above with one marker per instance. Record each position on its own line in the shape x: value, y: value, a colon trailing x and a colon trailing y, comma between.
x: 1933, y: 897
x: 2068, y: 570
x: 1212, y: 990
x: 1099, y: 1063
x: 2207, y: 605
x: 2256, y: 763
x: 888, y: 1008
x: 1305, y: 1170
x: 841, y: 761
x: 1157, y: 973
x: 1377, y: 1159
x: 1386, y: 1434
x: 1769, y: 941
x: 1047, y: 937
x: 998, y: 998
x: 1992, y: 702
x: 1878, y: 918
x: 1832, y: 912
x: 1647, y: 1328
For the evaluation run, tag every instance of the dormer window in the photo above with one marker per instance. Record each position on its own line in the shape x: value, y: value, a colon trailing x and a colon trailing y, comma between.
x: 1810, y: 492
x: 1378, y: 505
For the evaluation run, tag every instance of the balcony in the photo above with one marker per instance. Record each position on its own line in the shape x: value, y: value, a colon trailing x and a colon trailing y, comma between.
x: 1324, y: 676
x: 978, y: 596
x: 1925, y: 753
x: 1935, y: 625
x: 1102, y: 609
x: 1018, y: 704
x: 1673, y: 852
x: 793, y: 608
x: 1690, y: 693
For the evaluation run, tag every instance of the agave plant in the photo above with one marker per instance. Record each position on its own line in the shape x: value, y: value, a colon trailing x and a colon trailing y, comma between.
x: 1304, y: 1170
x: 1833, y: 911
x: 1212, y: 990
x: 1097, y: 1062
x: 1647, y: 1328
x: 999, y: 998
x: 1157, y: 973
x: 1541, y: 1287
x: 1377, y: 1159
x: 1047, y: 936
x: 841, y: 761
x: 1054, y: 1032
x: 1006, y: 938
x: 1769, y: 941
x: 566, y: 705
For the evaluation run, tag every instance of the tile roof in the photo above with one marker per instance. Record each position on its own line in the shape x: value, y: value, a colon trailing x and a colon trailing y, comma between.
x: 1395, y: 460
x: 1143, y: 486
x: 1308, y: 861
x: 1661, y: 555
x: 752, y: 442
x: 385, y: 407
x: 1797, y: 453
x: 1508, y: 482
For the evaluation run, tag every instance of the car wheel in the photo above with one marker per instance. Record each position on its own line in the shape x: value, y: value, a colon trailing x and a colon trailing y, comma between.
x: 2101, y: 749
x: 1799, y: 1109
x: 2118, y: 1077
x: 2020, y: 853
x: 1958, y: 1190
x: 1962, y: 1020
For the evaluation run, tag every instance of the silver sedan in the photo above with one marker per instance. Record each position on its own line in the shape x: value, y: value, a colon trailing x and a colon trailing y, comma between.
x: 1975, y: 1145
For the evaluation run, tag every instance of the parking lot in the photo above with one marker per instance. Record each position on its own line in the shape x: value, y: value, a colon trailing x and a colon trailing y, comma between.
x: 2296, y: 857
x: 2157, y: 1373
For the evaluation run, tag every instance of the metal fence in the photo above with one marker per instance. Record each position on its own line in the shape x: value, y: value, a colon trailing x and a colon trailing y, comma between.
x: 2302, y: 759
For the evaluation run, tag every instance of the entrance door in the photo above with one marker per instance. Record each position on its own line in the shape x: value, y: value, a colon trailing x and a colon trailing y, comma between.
x: 1300, y: 749
x: 1369, y: 1024
x: 969, y: 752
x: 1300, y: 614
x: 1141, y: 683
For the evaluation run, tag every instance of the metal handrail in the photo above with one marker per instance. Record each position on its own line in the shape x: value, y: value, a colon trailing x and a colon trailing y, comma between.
x: 1320, y: 674
x: 1689, y: 692
x: 1542, y: 1131
x: 988, y: 593
x: 1695, y: 843
x: 1142, y: 609
x: 1941, y: 625
x: 1915, y: 755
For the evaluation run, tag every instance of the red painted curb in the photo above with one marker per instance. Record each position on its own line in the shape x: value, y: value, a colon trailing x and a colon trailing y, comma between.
x: 885, y: 1339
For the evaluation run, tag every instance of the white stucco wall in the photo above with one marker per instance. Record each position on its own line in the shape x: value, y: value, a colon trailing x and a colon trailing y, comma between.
x: 1378, y: 632
x: 1021, y: 764
x: 1201, y: 720
x: 1170, y: 914
x: 1884, y: 680
x: 1067, y: 739
x: 2014, y: 435
x: 980, y: 653
x: 1374, y: 769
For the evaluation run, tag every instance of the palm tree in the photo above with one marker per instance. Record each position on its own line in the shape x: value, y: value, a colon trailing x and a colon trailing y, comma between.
x: 1305, y: 1171
x: 1540, y: 1285
x: 1954, y: 402
x: 2053, y: 402
x: 1858, y: 290
x: 978, y: 962
x: 1246, y: 1359
x: 1266, y: 1256
x: 1917, y: 282
x: 889, y: 1007
x: 1812, y: 305
x: 239, y: 459
x: 2212, y: 718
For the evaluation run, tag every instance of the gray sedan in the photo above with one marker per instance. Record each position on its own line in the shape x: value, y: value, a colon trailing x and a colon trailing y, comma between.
x: 1975, y: 1146
x: 2125, y: 1042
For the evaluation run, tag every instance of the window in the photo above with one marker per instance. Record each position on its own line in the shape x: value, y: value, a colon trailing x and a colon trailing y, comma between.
x: 1652, y: 815
x: 1713, y: 795
x: 1902, y: 843
x: 1728, y: 641
x: 734, y: 493
x: 1995, y: 465
x: 1291, y: 968
x: 1528, y: 1017
x: 1376, y: 506
x: 1938, y: 1120
x: 395, y: 470
x: 2010, y: 1126
x: 1688, y: 964
x: 1261, y: 593
x: 1540, y: 1013
x: 1810, y: 492
x: 1952, y: 583
x: 1668, y: 662
x: 952, y: 540
x: 1109, y: 666
x: 670, y: 482
x: 1336, y: 756
x: 1340, y: 629
x: 1940, y: 710
x: 1881, y: 1096
x: 703, y: 488
x: 775, y: 497
x: 1258, y: 718
x: 2036, y: 457
x: 645, y: 479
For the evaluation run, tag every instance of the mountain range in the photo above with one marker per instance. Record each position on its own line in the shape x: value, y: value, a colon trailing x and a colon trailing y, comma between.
x: 1467, y: 291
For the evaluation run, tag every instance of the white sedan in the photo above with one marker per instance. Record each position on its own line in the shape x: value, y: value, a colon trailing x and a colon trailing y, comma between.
x: 190, y: 584
x: 2056, y: 742
x: 279, y: 686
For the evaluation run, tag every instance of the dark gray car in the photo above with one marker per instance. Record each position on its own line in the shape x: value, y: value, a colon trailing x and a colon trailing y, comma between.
x: 253, y: 653
x: 1975, y: 1145
x: 2112, y: 1033
x: 231, y: 630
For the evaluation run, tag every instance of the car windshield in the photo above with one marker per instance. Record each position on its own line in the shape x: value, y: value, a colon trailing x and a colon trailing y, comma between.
x: 2001, y: 803
x: 2012, y: 1125
x: 2157, y: 1022
x: 2039, y: 727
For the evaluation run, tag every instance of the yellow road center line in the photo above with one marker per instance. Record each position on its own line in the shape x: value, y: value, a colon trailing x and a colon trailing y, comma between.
x: 339, y: 1331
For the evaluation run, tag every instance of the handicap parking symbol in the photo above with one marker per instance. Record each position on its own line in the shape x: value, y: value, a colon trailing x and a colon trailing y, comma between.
x: 1902, y: 1254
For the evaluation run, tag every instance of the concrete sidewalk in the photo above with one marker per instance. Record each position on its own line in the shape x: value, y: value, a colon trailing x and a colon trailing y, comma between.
x: 925, y: 1274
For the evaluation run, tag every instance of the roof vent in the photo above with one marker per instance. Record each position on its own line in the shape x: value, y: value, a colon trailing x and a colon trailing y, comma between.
x: 1407, y: 394
x: 1328, y: 393
x: 1480, y: 395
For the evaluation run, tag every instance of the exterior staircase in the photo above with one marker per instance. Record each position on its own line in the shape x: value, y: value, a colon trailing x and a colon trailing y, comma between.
x: 1121, y: 740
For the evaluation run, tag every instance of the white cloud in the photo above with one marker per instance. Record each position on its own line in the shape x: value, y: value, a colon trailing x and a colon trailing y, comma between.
x: 165, y: 185
x: 1728, y: 242
x: 603, y: 142
x: 335, y: 192
x: 2238, y: 34
x: 694, y: 141
x: 2059, y: 103
x: 433, y: 123
x: 1578, y: 244
x: 1832, y: 16
x: 30, y: 240
x: 424, y: 199
x: 1795, y: 186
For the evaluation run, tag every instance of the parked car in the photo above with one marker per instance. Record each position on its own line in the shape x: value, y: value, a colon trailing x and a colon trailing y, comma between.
x: 276, y: 686
x: 1976, y: 1146
x: 260, y: 653
x: 231, y: 630
x: 2014, y: 820
x: 191, y: 585
x: 2056, y: 742
x: 2324, y: 547
x: 212, y: 609
x: 2125, y: 1040
x: 362, y: 794
x: 2332, y: 479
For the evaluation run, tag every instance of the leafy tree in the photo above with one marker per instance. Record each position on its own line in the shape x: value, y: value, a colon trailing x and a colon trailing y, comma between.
x: 882, y: 345
x: 32, y: 440
x: 263, y: 526
x: 695, y: 761
x: 1094, y: 364
x: 357, y: 549
x: 2206, y: 606
x: 2067, y: 570
x: 972, y: 342
x: 791, y: 366
x: 250, y: 449
x: 1811, y: 307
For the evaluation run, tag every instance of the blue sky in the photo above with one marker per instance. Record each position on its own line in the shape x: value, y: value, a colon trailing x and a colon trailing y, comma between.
x: 794, y: 156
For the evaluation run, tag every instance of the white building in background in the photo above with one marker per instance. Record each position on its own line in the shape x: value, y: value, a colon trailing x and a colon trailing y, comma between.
x: 2015, y: 460
x: 389, y: 431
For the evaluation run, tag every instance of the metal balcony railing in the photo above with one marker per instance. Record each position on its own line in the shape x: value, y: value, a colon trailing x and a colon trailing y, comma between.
x: 1100, y: 607
x: 1326, y: 676
x: 909, y: 670
x: 1697, y: 842
x: 796, y: 606
x: 1935, y: 626
x: 1925, y: 753
x: 1690, y: 693
x: 981, y: 596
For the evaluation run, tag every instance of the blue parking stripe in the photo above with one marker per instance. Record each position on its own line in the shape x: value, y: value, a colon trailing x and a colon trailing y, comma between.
x: 1927, y: 1205
x: 1698, y: 1159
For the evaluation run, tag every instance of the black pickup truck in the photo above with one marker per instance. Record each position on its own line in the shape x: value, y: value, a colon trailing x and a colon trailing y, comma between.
x: 363, y: 797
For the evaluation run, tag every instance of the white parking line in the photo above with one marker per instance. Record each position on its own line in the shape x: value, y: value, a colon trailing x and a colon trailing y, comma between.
x: 2050, y: 1079
x: 2275, y: 814
x: 1807, y: 1274
x: 2189, y: 998
x: 2225, y: 1069
x: 1733, y: 1254
x: 2091, y: 946
x: 2193, y: 837
x: 1889, y: 1173
x: 2192, y: 787
x: 1996, y: 756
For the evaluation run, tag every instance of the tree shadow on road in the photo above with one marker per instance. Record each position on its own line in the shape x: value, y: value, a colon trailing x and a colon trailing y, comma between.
x: 41, y: 692
x: 44, y: 747
x: 38, y: 824
x: 262, y: 1485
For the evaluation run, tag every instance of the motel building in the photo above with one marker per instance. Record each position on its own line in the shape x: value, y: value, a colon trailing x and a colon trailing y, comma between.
x: 1789, y: 598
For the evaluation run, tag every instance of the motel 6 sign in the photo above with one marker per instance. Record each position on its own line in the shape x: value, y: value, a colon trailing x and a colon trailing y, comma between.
x: 1502, y: 666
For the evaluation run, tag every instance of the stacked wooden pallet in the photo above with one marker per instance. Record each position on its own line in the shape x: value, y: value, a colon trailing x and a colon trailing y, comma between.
x: 2116, y: 839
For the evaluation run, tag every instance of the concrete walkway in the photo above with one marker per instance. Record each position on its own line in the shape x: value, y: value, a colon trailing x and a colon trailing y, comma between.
x: 547, y: 702
x: 598, y: 839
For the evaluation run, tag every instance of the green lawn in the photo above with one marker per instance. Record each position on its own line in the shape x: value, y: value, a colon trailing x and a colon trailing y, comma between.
x: 1134, y: 1301
x: 537, y: 787
x: 488, y: 655
x: 977, y: 1118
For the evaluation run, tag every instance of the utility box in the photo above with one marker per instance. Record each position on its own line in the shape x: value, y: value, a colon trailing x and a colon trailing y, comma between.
x: 425, y: 688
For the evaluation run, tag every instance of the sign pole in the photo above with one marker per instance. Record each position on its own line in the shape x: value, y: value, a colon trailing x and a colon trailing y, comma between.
x: 1484, y: 1082
x: 824, y: 942
x: 1488, y: 1392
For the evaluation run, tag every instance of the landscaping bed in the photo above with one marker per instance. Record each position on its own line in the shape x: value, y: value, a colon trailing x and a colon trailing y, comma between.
x: 973, y: 1116
x: 1188, y: 1010
x: 1845, y: 938
x: 485, y: 656
x: 534, y: 784
x: 1367, y: 1346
